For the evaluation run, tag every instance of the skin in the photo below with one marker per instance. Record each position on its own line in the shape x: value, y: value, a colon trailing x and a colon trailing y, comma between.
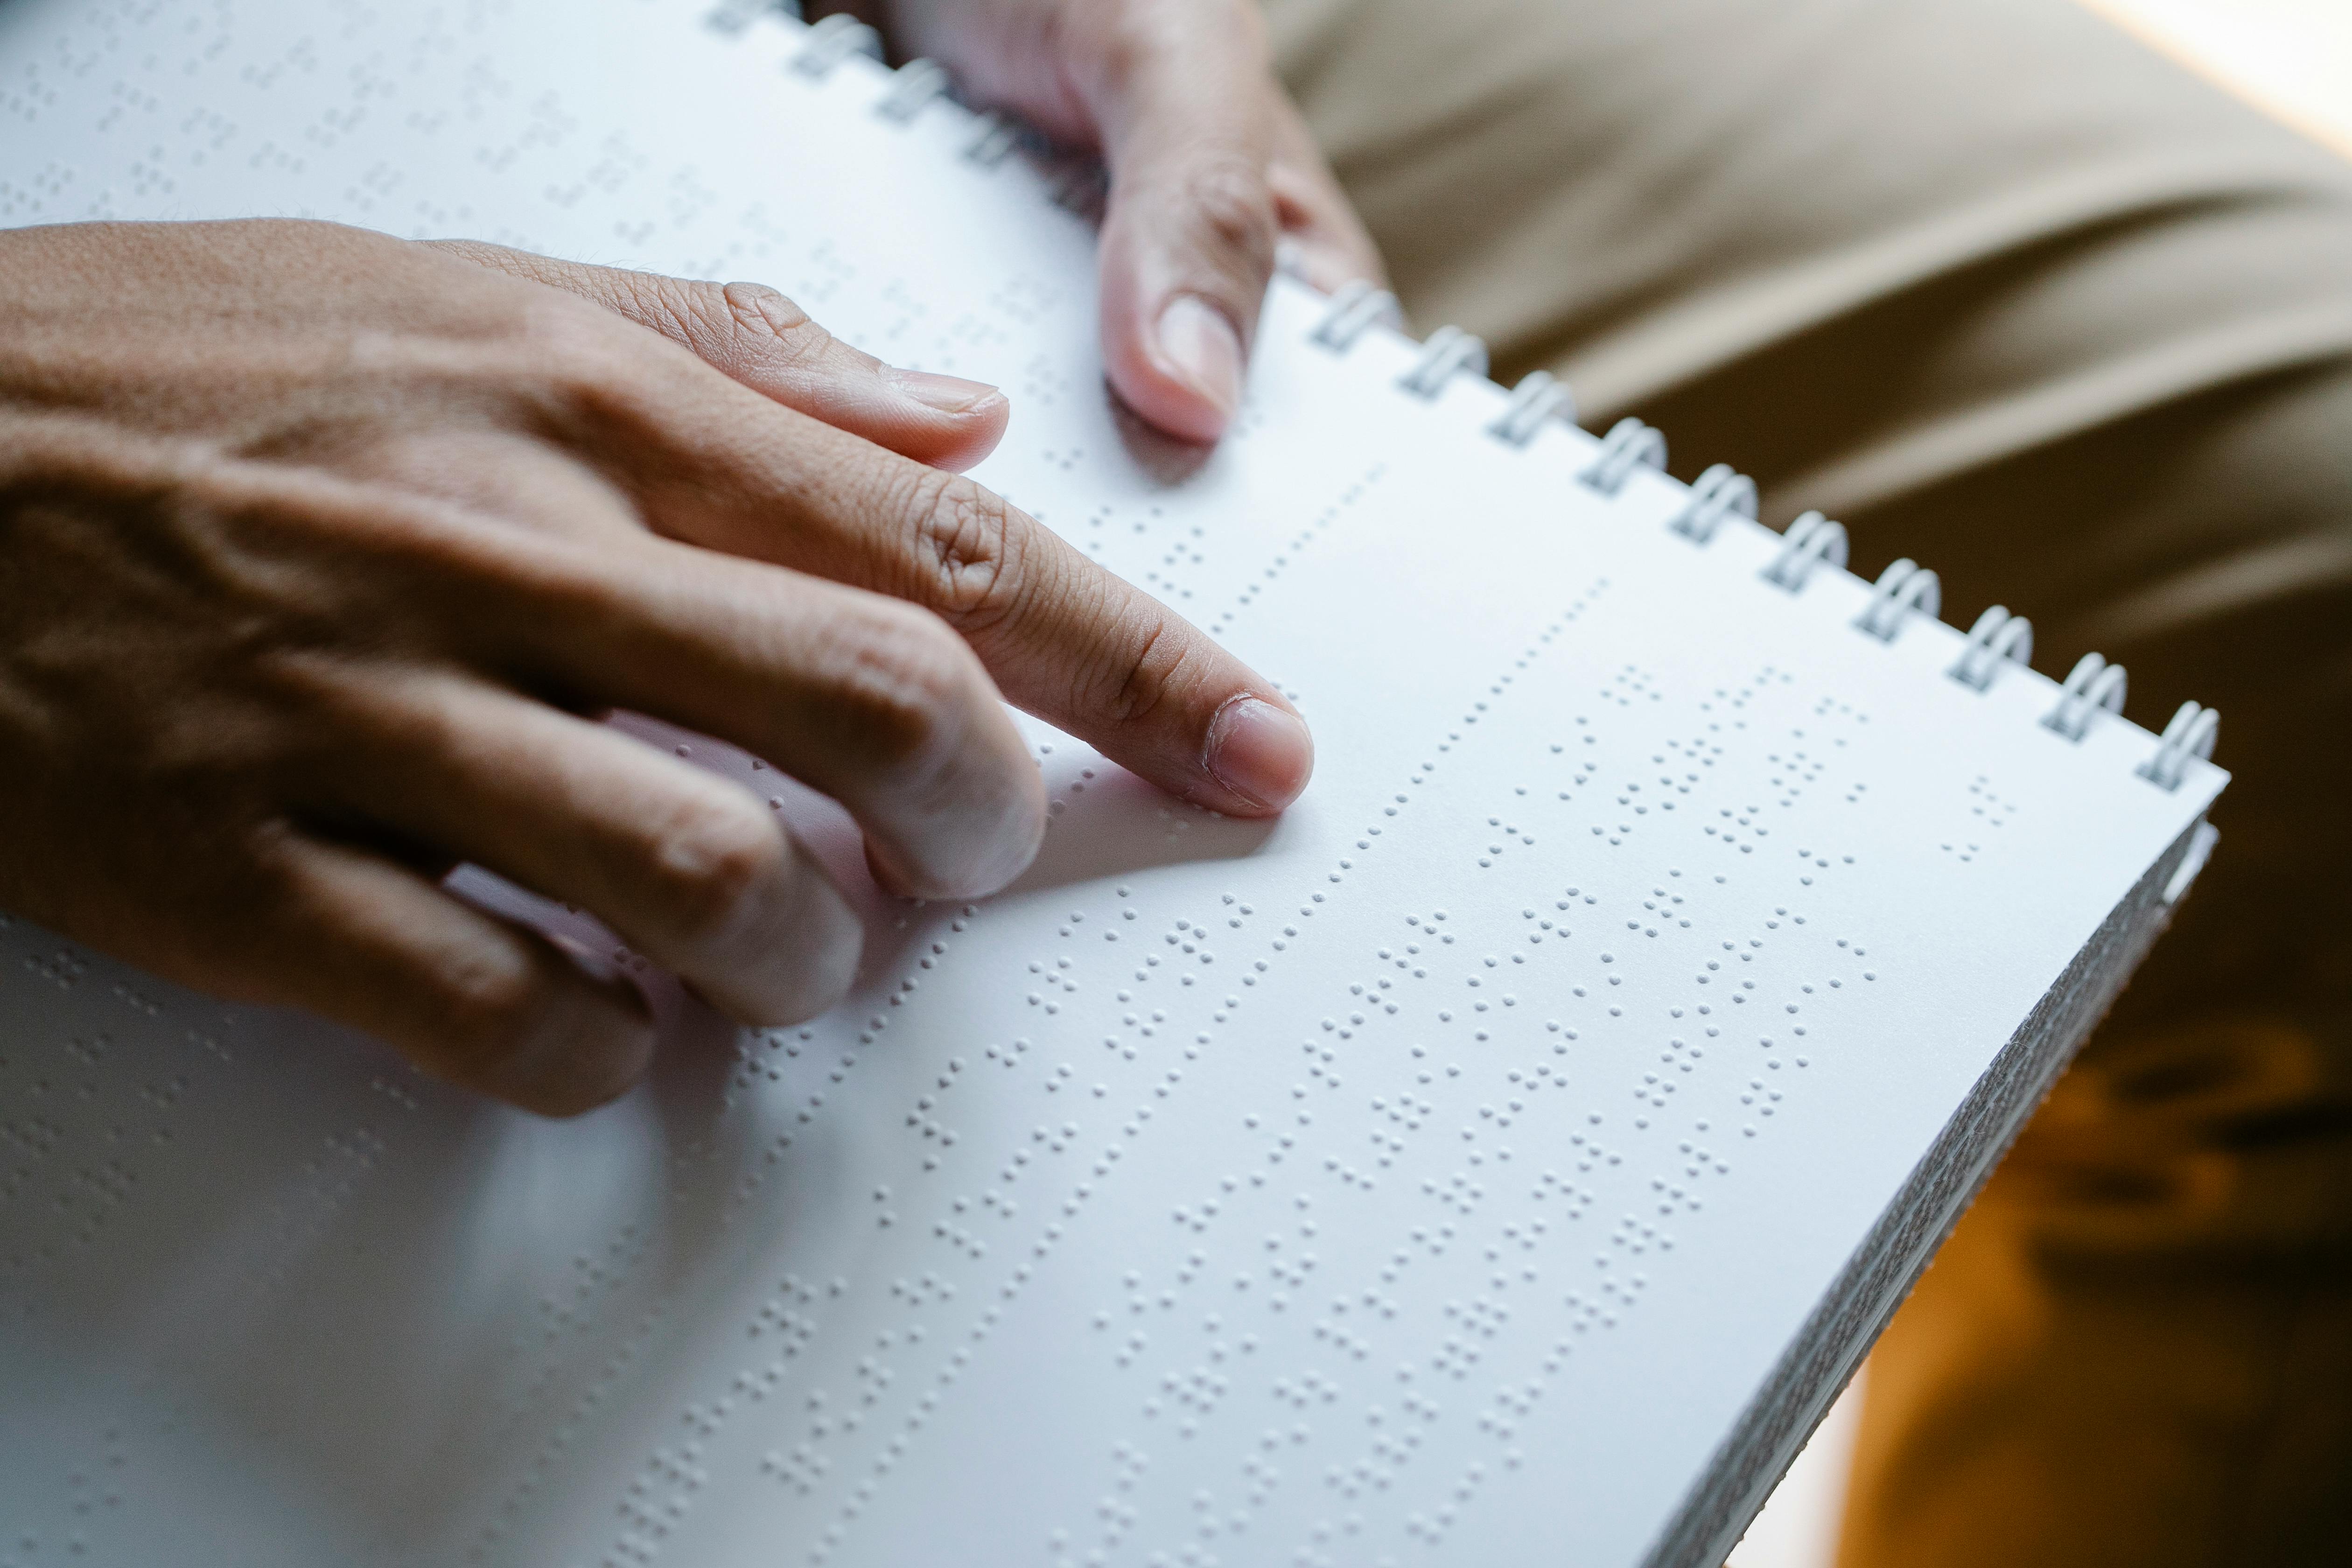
x: 1213, y: 172
x: 322, y: 554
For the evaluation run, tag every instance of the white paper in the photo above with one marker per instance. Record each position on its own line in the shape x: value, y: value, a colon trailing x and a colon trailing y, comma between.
x: 1408, y: 1173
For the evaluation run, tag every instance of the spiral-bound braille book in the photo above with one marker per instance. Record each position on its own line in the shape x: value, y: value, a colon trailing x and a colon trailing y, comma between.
x: 1503, y: 1157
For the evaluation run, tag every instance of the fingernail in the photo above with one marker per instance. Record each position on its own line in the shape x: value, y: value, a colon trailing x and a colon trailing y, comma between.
x: 1200, y: 346
x: 1260, y: 752
x: 948, y: 394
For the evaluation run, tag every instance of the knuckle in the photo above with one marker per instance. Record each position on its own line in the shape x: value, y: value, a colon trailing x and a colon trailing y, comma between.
x: 967, y: 551
x: 584, y: 374
x: 701, y: 317
x: 716, y: 858
x: 906, y: 680
x: 831, y: 966
x: 768, y: 315
x: 490, y: 1001
x: 1233, y: 205
x: 1135, y: 685
x: 691, y: 313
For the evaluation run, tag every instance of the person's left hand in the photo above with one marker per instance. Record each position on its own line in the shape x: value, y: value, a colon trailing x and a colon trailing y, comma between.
x: 1211, y: 169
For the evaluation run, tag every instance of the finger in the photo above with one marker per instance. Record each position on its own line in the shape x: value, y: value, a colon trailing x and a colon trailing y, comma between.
x: 686, y: 868
x: 494, y: 474
x: 1183, y: 99
x: 709, y: 464
x: 761, y: 339
x: 465, y: 997
x: 1323, y: 240
x: 872, y: 702
x: 1062, y: 637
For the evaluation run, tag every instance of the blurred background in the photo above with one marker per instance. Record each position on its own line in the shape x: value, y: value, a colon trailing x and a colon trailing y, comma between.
x: 2293, y: 57
x: 2294, y: 60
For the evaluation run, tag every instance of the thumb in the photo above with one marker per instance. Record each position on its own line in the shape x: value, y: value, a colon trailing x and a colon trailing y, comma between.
x: 759, y: 338
x: 1188, y: 245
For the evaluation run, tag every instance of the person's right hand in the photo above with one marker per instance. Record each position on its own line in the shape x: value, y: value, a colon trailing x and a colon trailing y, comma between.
x: 320, y: 553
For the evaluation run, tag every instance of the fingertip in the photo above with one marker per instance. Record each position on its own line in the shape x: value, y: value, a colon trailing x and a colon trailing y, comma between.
x: 813, y: 950
x: 1261, y: 753
x: 591, y: 1044
x: 953, y: 422
x: 979, y: 860
x: 1186, y: 380
x: 1199, y: 347
x: 951, y: 394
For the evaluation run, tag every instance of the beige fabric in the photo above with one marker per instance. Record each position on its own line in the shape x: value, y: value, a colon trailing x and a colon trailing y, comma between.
x: 2004, y: 290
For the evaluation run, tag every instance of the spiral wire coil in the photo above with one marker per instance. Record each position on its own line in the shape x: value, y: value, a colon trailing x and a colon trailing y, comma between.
x: 1449, y: 352
x: 834, y: 40
x: 1721, y: 492
x: 1811, y: 540
x: 1905, y: 586
x: 1355, y: 311
x: 1629, y: 445
x: 1539, y: 399
x: 912, y: 88
x: 2091, y: 685
x: 1997, y: 637
x: 1995, y: 641
x: 2191, y: 734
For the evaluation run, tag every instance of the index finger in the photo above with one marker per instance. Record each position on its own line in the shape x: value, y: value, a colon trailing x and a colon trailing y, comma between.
x: 1065, y: 639
x: 1062, y: 637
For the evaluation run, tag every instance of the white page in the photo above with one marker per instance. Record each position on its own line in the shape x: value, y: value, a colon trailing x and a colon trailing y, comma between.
x: 1208, y: 1198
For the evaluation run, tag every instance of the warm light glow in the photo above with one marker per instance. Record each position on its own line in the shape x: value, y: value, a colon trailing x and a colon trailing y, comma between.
x: 2293, y: 58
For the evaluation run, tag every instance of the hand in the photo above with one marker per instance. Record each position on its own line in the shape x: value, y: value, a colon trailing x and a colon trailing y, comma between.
x: 320, y: 552
x: 1210, y: 168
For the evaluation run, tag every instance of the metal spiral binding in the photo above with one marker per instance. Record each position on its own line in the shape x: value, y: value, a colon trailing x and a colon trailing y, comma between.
x: 995, y: 142
x: 2191, y: 734
x: 1355, y: 309
x: 834, y: 40
x: 2092, y: 684
x: 1996, y: 639
x: 1904, y: 586
x: 1629, y: 445
x: 733, y: 17
x: 1448, y: 351
x: 912, y: 88
x: 1539, y: 398
x: 1998, y: 636
x: 1812, y: 539
x: 1722, y: 491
